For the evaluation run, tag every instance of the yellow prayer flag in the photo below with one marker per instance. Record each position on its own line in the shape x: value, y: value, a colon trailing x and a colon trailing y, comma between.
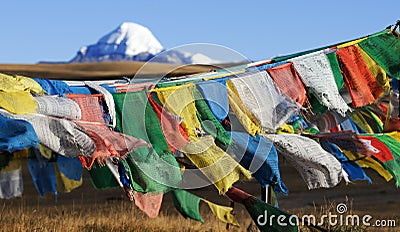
x: 285, y: 129
x: 223, y: 213
x: 360, y: 121
x: 347, y: 44
x: 18, y: 102
x: 221, y: 169
x: 373, y: 116
x: 376, y: 70
x: 369, y: 162
x: 241, y: 112
x: 19, y: 84
x: 45, y: 151
x: 180, y: 101
x: 30, y: 85
x: 395, y: 135
x: 63, y: 183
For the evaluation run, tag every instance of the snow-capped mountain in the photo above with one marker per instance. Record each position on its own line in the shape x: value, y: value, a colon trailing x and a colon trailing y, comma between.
x: 134, y: 42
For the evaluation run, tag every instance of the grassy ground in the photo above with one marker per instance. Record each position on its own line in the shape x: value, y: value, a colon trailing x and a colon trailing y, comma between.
x: 124, y: 216
x: 121, y: 215
x: 87, y: 209
x: 109, y: 216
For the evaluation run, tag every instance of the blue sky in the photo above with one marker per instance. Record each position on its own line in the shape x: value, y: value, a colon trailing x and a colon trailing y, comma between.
x: 33, y: 31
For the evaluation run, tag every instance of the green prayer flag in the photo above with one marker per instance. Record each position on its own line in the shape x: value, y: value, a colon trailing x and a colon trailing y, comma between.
x: 392, y: 166
x: 187, y: 204
x: 137, y: 118
x: 209, y: 122
x: 153, y: 169
x: 385, y: 50
x: 316, y: 106
x: 152, y: 172
x: 102, y: 178
x: 333, y: 61
x: 269, y: 218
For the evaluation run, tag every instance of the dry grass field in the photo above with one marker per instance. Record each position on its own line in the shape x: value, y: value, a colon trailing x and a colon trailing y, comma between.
x: 87, y: 209
x: 109, y: 216
x: 120, y: 215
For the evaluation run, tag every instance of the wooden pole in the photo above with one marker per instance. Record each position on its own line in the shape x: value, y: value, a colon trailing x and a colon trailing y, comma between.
x: 266, y: 194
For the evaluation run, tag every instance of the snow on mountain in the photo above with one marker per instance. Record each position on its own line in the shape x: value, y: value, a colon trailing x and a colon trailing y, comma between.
x: 134, y: 42
x: 130, y: 39
x: 199, y: 58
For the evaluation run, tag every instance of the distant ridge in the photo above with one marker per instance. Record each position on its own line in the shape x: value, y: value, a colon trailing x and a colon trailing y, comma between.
x: 106, y: 70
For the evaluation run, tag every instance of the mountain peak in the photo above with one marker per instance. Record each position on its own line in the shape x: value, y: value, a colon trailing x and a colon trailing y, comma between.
x: 133, y: 39
x: 134, y: 42
x: 129, y: 41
